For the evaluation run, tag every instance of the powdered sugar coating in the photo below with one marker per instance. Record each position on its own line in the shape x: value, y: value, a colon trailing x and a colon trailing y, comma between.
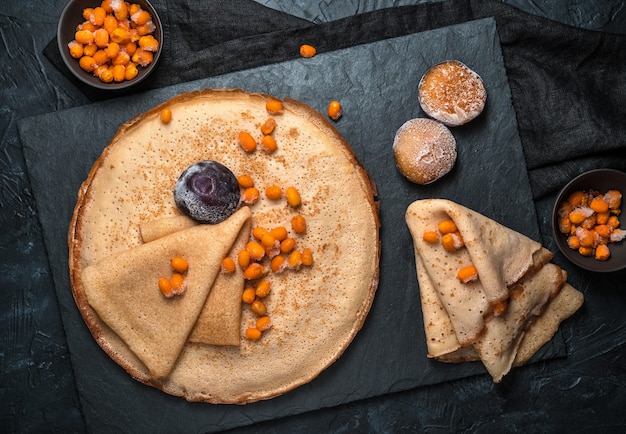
x: 452, y: 93
x: 424, y: 149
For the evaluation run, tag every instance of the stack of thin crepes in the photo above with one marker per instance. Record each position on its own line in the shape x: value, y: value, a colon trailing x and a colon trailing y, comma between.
x: 513, y: 271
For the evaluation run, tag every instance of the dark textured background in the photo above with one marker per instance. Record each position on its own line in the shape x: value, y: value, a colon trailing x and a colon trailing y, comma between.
x: 583, y: 392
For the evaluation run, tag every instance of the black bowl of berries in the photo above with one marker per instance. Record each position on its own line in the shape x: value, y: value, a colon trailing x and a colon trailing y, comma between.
x: 586, y: 220
x: 110, y: 44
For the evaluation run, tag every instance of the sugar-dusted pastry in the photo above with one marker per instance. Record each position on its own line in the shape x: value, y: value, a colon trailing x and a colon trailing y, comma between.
x: 424, y: 149
x: 452, y: 93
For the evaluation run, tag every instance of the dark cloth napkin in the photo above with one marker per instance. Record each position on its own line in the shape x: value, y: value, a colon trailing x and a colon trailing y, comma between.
x: 567, y: 84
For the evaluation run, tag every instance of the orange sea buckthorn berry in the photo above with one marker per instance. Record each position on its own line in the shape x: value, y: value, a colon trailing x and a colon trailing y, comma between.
x: 602, y: 252
x: 298, y: 224
x: 140, y: 17
x: 258, y: 232
x: 573, y: 242
x: 268, y: 127
x: 613, y: 198
x: 87, y: 25
x: 295, y: 259
x: 245, y: 181
x: 264, y: 323
x: 119, y: 73
x: 112, y: 50
x: 87, y: 63
x: 87, y: 13
x: 576, y: 198
x: 89, y: 49
x: 119, y: 35
x: 263, y: 289
x: 76, y: 49
x: 598, y: 204
x: 273, y: 192
x: 84, y: 37
x: 447, y: 227
x: 121, y: 11
x: 165, y: 286
x: 243, y: 258
x: 166, y: 116
x: 279, y: 233
x: 269, y: 144
x: 307, y: 50
x: 278, y: 264
x: 577, y: 216
x: 602, y: 218
x: 334, y: 110
x: 131, y: 71
x: 307, y: 257
x: 178, y: 283
x: 452, y: 242
x: 133, y: 8
x: 101, y: 38
x: 258, y: 307
x: 431, y: 236
x: 254, y: 334
x: 268, y: 240
x: 179, y: 264
x: 250, y: 195
x: 97, y: 16
x: 248, y: 295
x: 274, y: 106
x: 142, y: 57
x: 105, y: 74
x: 287, y: 245
x: 100, y: 57
x: 256, y: 250
x: 246, y: 141
x: 500, y: 307
x: 110, y: 24
x: 254, y: 271
x: 148, y: 43
x: 293, y: 197
x: 122, y: 58
x: 467, y: 274
x: 228, y: 265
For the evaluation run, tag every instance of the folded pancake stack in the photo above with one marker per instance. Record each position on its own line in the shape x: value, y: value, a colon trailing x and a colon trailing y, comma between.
x: 126, y: 228
x: 505, y: 315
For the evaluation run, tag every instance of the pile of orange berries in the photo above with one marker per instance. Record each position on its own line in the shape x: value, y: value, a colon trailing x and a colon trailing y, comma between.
x: 175, y: 285
x: 268, y: 250
x: 115, y: 38
x: 590, y: 220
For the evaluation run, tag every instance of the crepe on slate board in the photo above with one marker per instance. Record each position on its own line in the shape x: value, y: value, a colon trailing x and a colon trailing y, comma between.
x: 377, y: 85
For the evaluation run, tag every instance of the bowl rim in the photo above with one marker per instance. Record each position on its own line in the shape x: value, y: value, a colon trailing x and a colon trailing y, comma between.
x: 84, y: 76
x: 587, y: 263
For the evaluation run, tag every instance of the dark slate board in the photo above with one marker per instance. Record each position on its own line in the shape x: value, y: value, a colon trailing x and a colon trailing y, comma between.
x: 376, y: 84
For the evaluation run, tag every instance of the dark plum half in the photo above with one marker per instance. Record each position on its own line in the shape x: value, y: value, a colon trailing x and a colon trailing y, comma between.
x: 208, y: 192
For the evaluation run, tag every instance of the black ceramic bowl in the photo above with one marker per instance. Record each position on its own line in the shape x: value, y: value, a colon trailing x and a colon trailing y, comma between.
x: 72, y: 16
x: 601, y: 180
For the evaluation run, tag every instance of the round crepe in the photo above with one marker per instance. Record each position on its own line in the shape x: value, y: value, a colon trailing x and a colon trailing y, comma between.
x: 316, y: 311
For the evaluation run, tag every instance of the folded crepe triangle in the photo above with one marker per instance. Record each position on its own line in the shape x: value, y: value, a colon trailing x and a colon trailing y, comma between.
x: 219, y: 322
x: 459, y: 320
x: 123, y: 290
